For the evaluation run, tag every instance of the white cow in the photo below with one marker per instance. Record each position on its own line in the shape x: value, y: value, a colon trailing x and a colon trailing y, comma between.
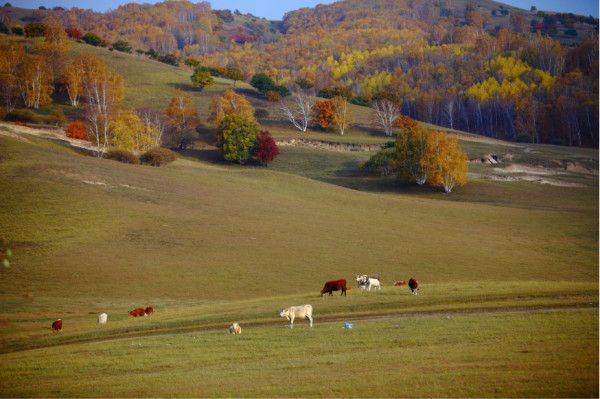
x: 297, y: 312
x: 235, y: 329
x: 102, y: 318
x: 365, y: 282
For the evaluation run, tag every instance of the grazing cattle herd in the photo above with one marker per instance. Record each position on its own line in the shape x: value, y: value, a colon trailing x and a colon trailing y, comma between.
x: 364, y: 281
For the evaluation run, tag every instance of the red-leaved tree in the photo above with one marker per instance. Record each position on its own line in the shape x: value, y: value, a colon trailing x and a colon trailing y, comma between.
x: 74, y: 33
x: 266, y: 149
x: 77, y: 130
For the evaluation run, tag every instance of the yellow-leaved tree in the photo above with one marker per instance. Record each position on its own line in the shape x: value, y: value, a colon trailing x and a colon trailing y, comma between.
x: 342, y: 115
x: 444, y: 161
x: 128, y: 132
x: 35, y: 81
x: 103, y: 93
x: 230, y: 103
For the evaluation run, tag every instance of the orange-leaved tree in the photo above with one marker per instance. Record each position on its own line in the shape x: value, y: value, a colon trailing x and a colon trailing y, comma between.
x: 323, y: 114
x: 182, y: 120
x: 230, y: 103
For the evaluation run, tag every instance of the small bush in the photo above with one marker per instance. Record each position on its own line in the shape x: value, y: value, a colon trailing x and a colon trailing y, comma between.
x: 383, y: 163
x: 22, y: 115
x: 273, y: 96
x: 77, y: 130
x: 158, y: 156
x: 261, y: 113
x: 123, y: 156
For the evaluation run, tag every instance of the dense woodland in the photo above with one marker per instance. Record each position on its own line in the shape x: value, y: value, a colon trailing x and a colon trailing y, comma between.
x: 474, y: 66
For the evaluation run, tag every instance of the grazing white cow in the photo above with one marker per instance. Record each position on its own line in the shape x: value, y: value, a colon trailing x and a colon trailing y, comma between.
x: 365, y: 282
x: 235, y: 329
x: 297, y: 312
x: 102, y: 318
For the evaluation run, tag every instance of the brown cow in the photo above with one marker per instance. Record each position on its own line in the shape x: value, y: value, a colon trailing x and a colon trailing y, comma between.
x: 413, y: 284
x: 57, y: 325
x: 149, y: 310
x: 137, y: 312
x: 400, y: 283
x: 334, y: 285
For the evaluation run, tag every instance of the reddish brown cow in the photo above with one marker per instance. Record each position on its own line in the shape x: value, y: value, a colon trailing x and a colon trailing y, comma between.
x: 400, y: 283
x: 413, y: 284
x: 149, y: 310
x: 57, y: 325
x: 137, y: 312
x: 334, y: 285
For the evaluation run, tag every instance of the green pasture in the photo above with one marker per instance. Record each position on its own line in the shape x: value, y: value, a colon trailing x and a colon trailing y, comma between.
x: 503, y: 355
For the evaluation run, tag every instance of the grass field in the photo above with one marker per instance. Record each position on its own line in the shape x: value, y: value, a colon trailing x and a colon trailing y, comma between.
x: 508, y: 270
x: 208, y: 243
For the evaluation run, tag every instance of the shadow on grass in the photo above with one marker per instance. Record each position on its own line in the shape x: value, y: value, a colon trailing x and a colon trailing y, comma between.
x: 214, y: 157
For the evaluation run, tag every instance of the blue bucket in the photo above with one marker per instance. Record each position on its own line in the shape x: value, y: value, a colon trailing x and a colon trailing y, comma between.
x: 348, y: 325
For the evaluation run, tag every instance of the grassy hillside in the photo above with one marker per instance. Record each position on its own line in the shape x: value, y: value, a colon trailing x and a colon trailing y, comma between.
x: 207, y: 243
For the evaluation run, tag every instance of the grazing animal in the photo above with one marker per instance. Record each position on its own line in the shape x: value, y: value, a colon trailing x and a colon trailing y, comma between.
x: 137, y: 312
x: 334, y: 285
x: 365, y: 282
x: 235, y: 329
x: 400, y: 283
x: 413, y: 284
x: 298, y: 312
x: 57, y: 325
x: 102, y: 318
x: 148, y: 311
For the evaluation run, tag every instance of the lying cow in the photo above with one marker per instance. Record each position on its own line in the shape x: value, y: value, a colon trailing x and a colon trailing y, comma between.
x: 148, y: 311
x: 365, y: 282
x: 137, y: 312
x: 235, y: 329
x: 334, y: 285
x: 413, y: 284
x: 400, y: 283
x: 297, y: 312
x: 102, y: 318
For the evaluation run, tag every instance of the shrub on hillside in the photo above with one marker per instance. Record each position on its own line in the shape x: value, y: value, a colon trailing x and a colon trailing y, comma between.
x: 17, y: 30
x: 158, y: 156
x: 77, y: 130
x: 266, y: 148
x: 383, y: 163
x: 123, y: 156
x: 35, y: 29
x: 261, y: 113
x: 22, y: 115
x: 92, y: 39
x: 273, y: 96
x: 170, y: 59
x: 56, y: 117
x: 74, y: 33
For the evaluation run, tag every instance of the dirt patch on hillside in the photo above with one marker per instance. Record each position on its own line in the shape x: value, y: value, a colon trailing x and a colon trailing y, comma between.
x: 15, y: 131
x: 533, y: 179
x: 329, y: 145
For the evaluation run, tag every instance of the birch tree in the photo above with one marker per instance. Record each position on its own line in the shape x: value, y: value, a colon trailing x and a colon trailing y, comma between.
x: 300, y: 112
x: 385, y: 113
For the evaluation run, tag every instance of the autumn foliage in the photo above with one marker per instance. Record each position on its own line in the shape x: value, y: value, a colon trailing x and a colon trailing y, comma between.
x: 266, y: 149
x: 323, y: 114
x: 405, y: 122
x: 430, y: 157
x: 230, y: 103
x: 77, y: 130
